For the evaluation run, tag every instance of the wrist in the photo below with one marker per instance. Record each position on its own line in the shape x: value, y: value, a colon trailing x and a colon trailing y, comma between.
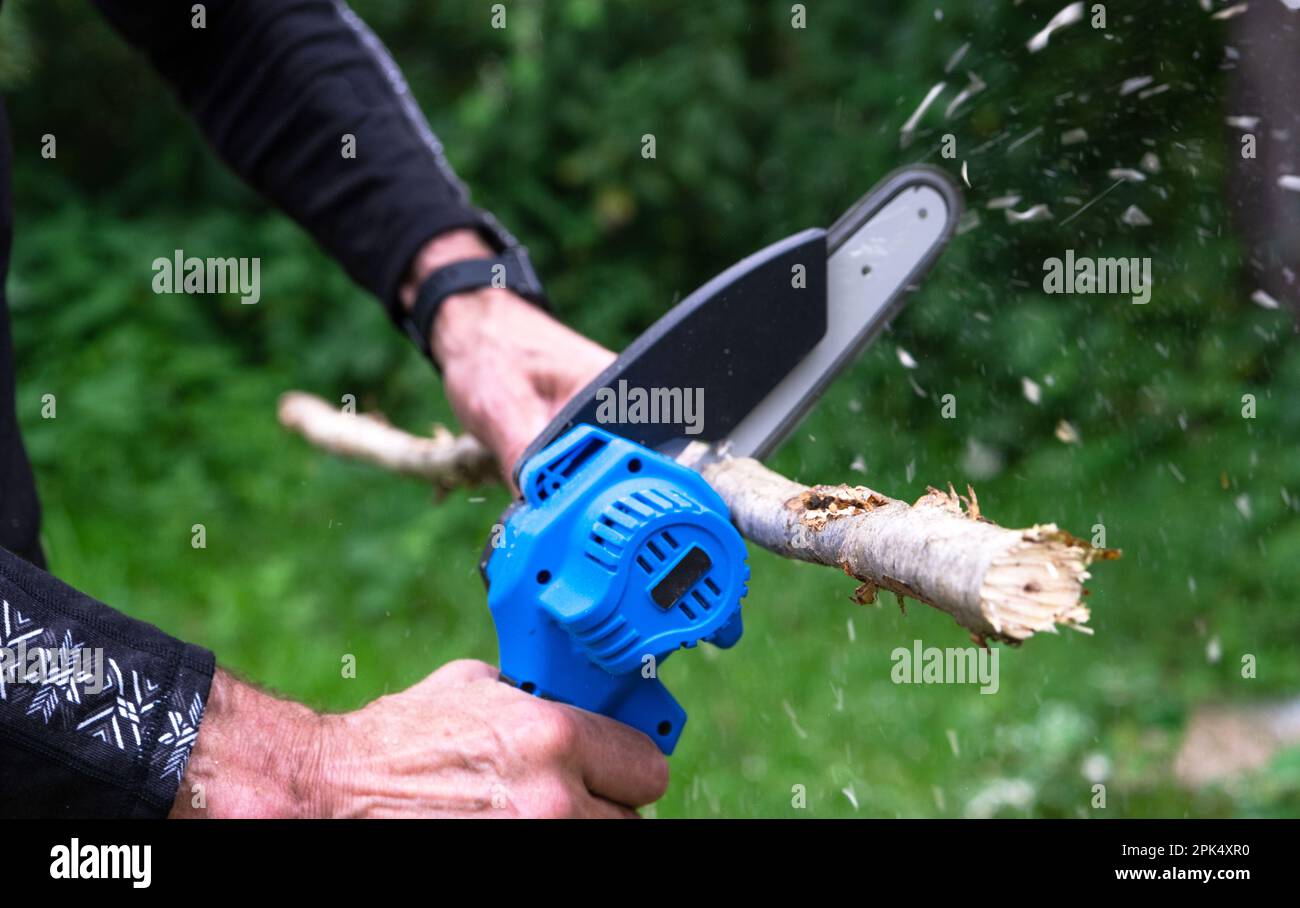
x: 462, y: 301
x: 462, y: 320
x: 256, y: 756
x: 445, y: 248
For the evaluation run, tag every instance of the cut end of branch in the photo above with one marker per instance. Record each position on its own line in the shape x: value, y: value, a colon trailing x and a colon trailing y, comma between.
x: 1037, y: 583
x: 1032, y: 582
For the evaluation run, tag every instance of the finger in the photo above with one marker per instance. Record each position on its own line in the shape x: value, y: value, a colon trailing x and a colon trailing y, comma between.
x: 513, y: 438
x: 618, y: 762
x: 594, y: 807
x: 501, y: 410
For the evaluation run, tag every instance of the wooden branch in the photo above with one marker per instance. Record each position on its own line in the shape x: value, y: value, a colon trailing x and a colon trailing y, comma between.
x: 1000, y: 584
x: 997, y: 583
x: 446, y: 460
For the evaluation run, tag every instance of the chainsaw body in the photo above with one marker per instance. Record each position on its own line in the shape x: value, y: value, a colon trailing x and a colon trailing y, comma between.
x: 617, y: 557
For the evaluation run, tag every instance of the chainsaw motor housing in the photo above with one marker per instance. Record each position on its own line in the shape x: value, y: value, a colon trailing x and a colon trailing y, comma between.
x: 617, y: 557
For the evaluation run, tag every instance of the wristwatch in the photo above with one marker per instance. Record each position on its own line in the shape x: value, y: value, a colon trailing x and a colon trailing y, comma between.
x: 511, y: 270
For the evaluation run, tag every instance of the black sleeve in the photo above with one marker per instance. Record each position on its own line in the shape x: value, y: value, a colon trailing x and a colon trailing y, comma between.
x: 275, y: 85
x: 98, y: 711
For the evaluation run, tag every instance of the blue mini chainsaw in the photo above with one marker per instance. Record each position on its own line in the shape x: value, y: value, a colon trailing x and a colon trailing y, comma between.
x: 618, y: 554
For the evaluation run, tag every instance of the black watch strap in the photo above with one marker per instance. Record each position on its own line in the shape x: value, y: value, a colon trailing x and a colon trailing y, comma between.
x: 511, y: 270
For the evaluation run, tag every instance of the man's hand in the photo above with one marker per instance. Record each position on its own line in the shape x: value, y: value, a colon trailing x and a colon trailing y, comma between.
x: 458, y: 744
x: 507, y: 366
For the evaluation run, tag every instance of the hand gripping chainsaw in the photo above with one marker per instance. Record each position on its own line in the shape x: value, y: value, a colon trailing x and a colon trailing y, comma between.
x: 618, y: 554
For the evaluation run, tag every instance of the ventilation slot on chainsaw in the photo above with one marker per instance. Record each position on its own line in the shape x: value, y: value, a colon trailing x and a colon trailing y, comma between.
x: 606, y: 544
x: 550, y: 478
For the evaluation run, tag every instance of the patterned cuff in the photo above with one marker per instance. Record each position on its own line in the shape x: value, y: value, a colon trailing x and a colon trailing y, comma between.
x: 105, y: 709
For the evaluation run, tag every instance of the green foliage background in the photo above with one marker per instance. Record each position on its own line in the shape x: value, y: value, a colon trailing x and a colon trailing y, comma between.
x: 166, y: 404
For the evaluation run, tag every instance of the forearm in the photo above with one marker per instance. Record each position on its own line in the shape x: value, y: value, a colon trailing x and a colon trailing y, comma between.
x: 256, y: 756
x: 302, y: 101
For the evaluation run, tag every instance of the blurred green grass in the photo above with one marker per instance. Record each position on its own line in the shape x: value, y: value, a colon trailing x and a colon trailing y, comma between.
x: 166, y: 405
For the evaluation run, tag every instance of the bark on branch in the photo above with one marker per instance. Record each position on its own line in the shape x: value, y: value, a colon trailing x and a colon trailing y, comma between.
x: 1000, y: 584
x: 446, y: 460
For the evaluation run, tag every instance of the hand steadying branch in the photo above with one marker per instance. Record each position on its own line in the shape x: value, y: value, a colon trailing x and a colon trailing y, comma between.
x: 507, y: 366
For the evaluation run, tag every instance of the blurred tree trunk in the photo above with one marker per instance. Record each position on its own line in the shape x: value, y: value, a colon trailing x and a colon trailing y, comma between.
x: 1266, y: 42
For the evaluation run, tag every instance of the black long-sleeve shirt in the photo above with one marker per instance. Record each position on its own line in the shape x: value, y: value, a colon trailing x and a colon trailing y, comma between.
x: 99, y: 712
